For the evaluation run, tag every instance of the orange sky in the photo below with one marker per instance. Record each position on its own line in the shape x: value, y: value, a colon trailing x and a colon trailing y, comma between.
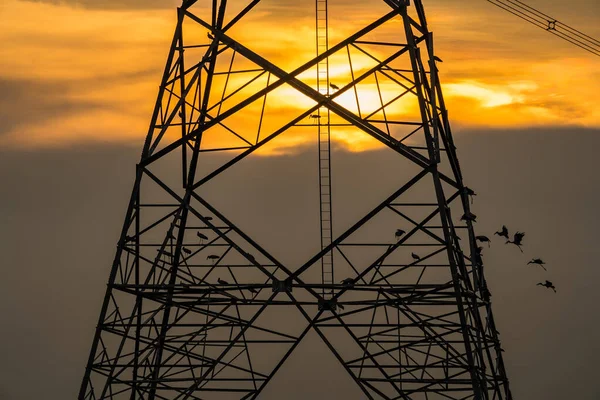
x: 74, y: 74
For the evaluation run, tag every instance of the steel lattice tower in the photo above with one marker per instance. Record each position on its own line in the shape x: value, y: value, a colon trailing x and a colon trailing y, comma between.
x: 186, y: 311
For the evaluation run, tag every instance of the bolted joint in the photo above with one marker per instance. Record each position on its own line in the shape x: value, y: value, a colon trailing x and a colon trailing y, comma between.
x: 284, y: 286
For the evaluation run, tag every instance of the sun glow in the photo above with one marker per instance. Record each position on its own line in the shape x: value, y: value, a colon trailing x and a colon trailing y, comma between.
x: 92, y: 75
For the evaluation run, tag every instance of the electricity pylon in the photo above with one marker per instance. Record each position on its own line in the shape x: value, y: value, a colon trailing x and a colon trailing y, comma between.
x: 192, y: 307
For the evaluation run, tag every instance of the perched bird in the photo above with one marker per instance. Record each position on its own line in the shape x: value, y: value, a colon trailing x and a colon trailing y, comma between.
x: 415, y: 257
x: 211, y: 37
x: 469, y: 216
x: 315, y: 117
x: 503, y: 233
x: 483, y: 239
x: 399, y: 233
x: 208, y: 218
x: 334, y: 87
x: 517, y: 240
x: 547, y: 285
x: 340, y: 306
x: 166, y: 253
x: 471, y: 193
x: 250, y: 257
x: 186, y: 251
x: 348, y: 282
x: 538, y: 261
x: 222, y: 282
x: 202, y: 236
x: 479, y: 255
x: 436, y: 58
x: 213, y: 257
x: 252, y: 290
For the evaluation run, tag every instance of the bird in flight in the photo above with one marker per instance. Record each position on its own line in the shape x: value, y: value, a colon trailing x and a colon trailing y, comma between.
x: 538, y: 261
x: 399, y: 233
x: 548, y: 285
x: 517, y: 240
x: 415, y: 257
x: 503, y: 233
x: 483, y: 239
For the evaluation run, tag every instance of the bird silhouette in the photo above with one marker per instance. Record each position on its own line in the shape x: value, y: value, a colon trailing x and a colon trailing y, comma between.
x: 469, y: 216
x: 211, y: 37
x: 250, y: 257
x: 548, y: 285
x: 483, y: 239
x: 334, y: 87
x: 415, y: 257
x: 201, y: 236
x: 538, y: 261
x: 186, y: 251
x: 479, y: 255
x: 340, y: 306
x: 471, y: 193
x: 222, y: 282
x: 166, y: 253
x: 348, y: 282
x: 503, y: 233
x: 517, y: 240
x: 252, y: 290
x: 436, y: 58
x: 399, y: 233
x: 208, y: 218
x: 213, y: 257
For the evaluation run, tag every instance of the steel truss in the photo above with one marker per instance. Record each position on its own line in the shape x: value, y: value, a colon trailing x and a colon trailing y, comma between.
x: 191, y: 307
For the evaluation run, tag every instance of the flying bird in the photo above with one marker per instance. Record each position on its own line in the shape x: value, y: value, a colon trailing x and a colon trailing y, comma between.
x: 517, y: 240
x: 334, y: 87
x: 222, y: 282
x: 399, y: 233
x: 469, y: 216
x: 548, y: 285
x: 538, y: 261
x: 415, y: 256
x: 483, y: 239
x: 348, y: 282
x: 503, y: 233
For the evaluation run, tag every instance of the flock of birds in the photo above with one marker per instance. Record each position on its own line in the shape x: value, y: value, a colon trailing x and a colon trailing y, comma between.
x: 517, y: 240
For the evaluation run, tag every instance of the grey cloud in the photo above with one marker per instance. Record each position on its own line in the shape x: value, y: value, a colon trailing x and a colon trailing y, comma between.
x: 62, y: 210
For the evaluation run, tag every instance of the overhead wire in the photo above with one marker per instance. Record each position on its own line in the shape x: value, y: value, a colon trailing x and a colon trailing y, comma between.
x: 550, y: 24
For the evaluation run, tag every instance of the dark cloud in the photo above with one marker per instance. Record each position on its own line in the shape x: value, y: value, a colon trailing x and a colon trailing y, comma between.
x: 114, y: 4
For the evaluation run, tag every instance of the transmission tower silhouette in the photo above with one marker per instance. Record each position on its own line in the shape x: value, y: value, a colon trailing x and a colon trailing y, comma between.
x: 194, y: 303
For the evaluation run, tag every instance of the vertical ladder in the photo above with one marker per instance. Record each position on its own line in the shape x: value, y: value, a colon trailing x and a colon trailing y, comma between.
x: 324, y: 131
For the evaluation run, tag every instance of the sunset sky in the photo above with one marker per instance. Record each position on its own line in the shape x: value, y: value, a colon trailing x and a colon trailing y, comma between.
x: 88, y: 71
x: 79, y: 79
